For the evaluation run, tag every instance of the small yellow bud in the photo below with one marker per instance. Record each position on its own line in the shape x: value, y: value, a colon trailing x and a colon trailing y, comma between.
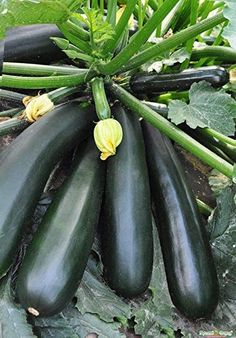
x: 108, y: 135
x: 37, y: 106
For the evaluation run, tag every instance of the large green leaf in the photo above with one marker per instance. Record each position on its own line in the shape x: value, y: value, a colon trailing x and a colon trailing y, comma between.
x: 230, y: 30
x: 72, y: 324
x: 208, y: 107
x: 24, y: 12
x: 223, y: 242
x: 94, y: 296
x: 154, y: 317
x: 12, y: 317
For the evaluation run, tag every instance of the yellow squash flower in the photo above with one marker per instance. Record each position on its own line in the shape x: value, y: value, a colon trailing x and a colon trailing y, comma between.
x: 37, y: 106
x: 108, y: 135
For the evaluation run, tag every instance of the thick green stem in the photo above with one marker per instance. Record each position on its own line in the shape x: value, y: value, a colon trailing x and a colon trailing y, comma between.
x: 153, y: 4
x: 226, y: 54
x: 46, y: 82
x: 204, y: 208
x: 60, y: 93
x: 219, y: 136
x: 99, y: 95
x: 76, y: 30
x: 40, y: 70
x: 111, y: 12
x: 172, y: 42
x: 171, y: 18
x: 10, y: 112
x: 120, y: 27
x: 193, y: 21
x: 171, y: 131
x: 82, y: 45
x: 137, y: 40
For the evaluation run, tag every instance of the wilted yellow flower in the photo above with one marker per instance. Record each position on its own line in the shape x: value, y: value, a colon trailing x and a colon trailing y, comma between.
x: 108, y: 135
x: 37, y: 106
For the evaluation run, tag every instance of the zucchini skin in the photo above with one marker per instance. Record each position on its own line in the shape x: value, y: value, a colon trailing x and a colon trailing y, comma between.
x: 151, y: 83
x: 25, y: 166
x: 127, y: 243
x: 57, y: 256
x: 32, y: 44
x: 188, y: 260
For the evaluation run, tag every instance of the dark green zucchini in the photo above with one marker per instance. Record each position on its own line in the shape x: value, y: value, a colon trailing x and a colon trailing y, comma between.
x: 188, y: 260
x: 56, y: 258
x: 1, y: 55
x: 127, y: 248
x: 32, y: 44
x: 25, y: 166
x: 151, y: 83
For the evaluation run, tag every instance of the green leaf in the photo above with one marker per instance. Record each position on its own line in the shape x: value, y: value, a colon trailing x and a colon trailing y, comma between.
x: 154, y: 316
x: 56, y: 326
x: 72, y: 324
x: 95, y: 297
x: 12, y: 318
x: 168, y: 59
x: 223, y: 241
x: 218, y: 181
x: 208, y: 107
x: 25, y: 12
x: 100, y: 30
x: 229, y: 31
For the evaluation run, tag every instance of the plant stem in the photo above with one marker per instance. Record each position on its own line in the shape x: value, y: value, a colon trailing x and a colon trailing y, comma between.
x: 102, y: 6
x: 82, y: 45
x: 12, y: 126
x: 102, y: 106
x: 171, y: 18
x: 219, y: 136
x: 222, y: 53
x: 204, y: 208
x: 9, y: 112
x: 11, y: 96
x: 193, y: 20
x: 40, y: 70
x: 120, y: 27
x: 111, y: 12
x: 46, y: 82
x: 76, y: 30
x: 171, y: 42
x: 137, y: 40
x: 60, y: 93
x: 153, y: 4
x: 171, y: 131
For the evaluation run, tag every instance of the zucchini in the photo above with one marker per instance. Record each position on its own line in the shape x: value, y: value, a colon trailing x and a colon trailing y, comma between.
x: 56, y: 258
x: 32, y: 44
x: 1, y: 55
x: 25, y: 166
x: 151, y: 83
x: 188, y: 260
x: 127, y: 248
